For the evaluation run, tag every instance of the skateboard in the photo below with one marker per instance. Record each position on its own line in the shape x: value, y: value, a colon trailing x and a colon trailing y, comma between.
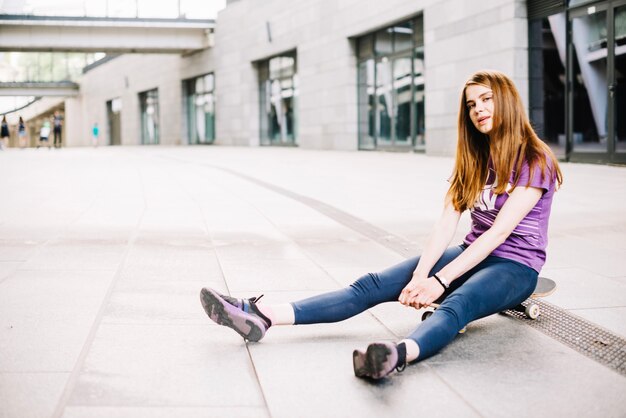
x: 545, y: 287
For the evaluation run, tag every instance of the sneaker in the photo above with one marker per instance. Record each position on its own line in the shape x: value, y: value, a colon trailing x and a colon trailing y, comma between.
x: 380, y: 359
x: 242, y: 315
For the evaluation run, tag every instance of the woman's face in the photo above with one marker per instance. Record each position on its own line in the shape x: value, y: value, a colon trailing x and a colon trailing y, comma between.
x: 479, y: 102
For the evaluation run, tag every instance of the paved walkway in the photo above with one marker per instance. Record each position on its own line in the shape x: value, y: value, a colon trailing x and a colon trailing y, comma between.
x: 103, y: 252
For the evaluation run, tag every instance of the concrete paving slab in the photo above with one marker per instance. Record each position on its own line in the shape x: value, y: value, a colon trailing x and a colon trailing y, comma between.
x: 159, y: 261
x: 165, y: 412
x: 17, y: 250
x: 260, y: 251
x: 179, y: 223
x: 45, y: 317
x: 321, y: 368
x: 87, y: 254
x: 164, y: 303
x: 272, y: 275
x: 370, y: 255
x: 581, y: 288
x: 30, y: 395
x: 568, y: 250
x: 7, y: 268
x: 524, y: 384
x: 157, y: 365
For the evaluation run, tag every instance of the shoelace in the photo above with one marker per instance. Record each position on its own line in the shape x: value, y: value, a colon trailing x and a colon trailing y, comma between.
x: 252, y: 306
x: 401, y: 365
x: 255, y: 299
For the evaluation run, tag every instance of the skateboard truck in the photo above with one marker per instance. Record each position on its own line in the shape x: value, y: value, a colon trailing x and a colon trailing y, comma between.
x: 545, y: 287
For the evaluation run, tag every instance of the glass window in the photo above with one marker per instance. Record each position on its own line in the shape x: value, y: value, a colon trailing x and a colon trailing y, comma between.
x: 365, y: 46
x: 418, y: 99
x: 391, y: 87
x: 619, y: 86
x: 547, y: 80
x: 402, y: 80
x: 383, y: 42
x: 114, y: 108
x: 403, y: 36
x: 589, y: 90
x: 367, y: 125
x: 384, y: 104
x: 149, y: 102
x: 278, y: 94
x: 201, y: 109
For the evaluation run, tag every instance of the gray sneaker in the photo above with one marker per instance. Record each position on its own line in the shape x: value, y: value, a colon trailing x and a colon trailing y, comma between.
x: 242, y: 315
x: 380, y: 359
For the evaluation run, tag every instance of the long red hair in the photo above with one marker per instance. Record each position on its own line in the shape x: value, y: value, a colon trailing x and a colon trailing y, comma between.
x: 510, y: 142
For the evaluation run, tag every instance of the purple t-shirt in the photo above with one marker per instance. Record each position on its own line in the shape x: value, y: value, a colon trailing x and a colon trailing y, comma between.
x: 527, y: 243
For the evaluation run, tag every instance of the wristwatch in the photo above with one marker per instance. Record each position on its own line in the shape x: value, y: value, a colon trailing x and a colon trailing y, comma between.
x: 442, y: 281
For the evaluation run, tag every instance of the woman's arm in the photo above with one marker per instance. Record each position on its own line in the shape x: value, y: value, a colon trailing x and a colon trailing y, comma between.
x: 436, y: 244
x: 517, y: 206
x: 425, y: 291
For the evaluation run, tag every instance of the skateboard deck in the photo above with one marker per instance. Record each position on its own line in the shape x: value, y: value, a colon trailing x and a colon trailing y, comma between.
x: 545, y: 287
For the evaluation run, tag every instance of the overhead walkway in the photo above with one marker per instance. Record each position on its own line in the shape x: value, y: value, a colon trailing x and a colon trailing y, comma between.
x: 61, y: 88
x: 104, y: 34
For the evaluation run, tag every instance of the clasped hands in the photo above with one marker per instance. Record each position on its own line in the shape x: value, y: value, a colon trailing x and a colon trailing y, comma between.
x: 421, y: 292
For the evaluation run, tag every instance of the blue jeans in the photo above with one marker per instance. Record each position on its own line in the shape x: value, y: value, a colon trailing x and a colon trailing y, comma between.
x: 494, y: 285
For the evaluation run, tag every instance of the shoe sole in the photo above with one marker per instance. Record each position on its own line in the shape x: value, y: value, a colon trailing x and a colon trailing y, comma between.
x: 372, y: 362
x: 223, y: 313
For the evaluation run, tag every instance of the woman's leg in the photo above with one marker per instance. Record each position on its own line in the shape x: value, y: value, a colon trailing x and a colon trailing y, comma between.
x: 496, y: 284
x: 493, y: 286
x: 251, y: 319
x: 366, y: 292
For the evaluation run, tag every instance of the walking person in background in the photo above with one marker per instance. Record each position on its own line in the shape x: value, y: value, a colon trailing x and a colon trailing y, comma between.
x: 57, y: 122
x: 21, y: 132
x: 95, y: 131
x: 4, y: 133
x: 44, y: 134
x: 506, y: 177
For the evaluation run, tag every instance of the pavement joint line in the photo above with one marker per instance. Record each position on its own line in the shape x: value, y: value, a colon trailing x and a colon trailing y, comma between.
x: 392, y: 242
x: 70, y: 385
x: 219, y: 263
x: 452, y: 389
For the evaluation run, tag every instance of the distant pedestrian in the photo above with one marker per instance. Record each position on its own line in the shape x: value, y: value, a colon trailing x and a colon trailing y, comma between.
x: 4, y: 133
x: 44, y: 134
x: 506, y: 177
x: 21, y: 132
x: 57, y: 122
x: 95, y: 131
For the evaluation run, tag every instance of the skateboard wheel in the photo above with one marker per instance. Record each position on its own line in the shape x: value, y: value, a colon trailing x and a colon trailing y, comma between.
x: 532, y: 311
x: 426, y: 315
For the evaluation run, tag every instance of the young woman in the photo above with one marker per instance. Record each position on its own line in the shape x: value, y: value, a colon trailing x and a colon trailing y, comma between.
x: 506, y: 176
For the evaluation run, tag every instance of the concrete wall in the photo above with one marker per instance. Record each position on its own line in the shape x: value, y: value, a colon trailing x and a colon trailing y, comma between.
x: 125, y: 77
x: 460, y: 37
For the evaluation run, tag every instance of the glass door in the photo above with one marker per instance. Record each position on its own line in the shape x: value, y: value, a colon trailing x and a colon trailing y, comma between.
x: 589, y: 81
x: 597, y: 71
x: 617, y: 89
x: 402, y: 80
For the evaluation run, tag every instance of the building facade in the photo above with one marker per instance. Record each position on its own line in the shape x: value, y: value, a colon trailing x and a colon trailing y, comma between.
x: 369, y: 75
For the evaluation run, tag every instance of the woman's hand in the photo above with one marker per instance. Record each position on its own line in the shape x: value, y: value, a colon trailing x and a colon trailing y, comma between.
x: 421, y: 292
